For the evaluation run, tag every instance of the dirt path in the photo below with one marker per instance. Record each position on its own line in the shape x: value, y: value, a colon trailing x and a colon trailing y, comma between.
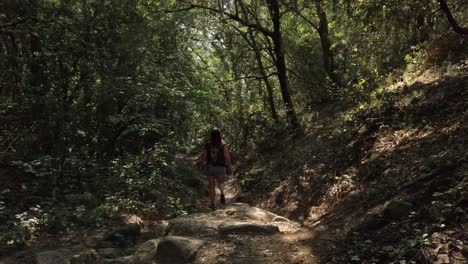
x: 237, y: 249
x: 235, y: 233
x: 292, y: 245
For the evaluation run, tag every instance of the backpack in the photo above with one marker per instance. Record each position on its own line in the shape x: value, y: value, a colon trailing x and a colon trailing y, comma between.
x: 220, y: 161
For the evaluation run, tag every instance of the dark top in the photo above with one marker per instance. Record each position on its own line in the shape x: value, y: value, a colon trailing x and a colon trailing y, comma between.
x: 217, y: 159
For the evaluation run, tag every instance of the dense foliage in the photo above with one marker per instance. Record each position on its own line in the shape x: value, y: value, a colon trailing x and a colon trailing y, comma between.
x: 98, y: 97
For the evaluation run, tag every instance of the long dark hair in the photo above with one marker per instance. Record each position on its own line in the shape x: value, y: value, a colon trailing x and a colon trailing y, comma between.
x: 216, y: 139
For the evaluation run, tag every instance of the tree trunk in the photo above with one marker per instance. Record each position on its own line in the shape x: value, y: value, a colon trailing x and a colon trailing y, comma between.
x: 38, y: 93
x: 276, y: 37
x: 263, y: 74
x: 327, y: 53
x: 453, y: 23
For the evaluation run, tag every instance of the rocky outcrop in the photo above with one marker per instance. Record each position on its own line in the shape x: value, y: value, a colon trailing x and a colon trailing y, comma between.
x: 178, y: 242
x: 247, y: 228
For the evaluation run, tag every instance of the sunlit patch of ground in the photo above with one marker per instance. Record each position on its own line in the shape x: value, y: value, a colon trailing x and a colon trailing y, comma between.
x: 280, y: 248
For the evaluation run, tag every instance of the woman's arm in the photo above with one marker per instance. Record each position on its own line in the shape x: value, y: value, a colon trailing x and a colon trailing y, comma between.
x: 201, y: 165
x: 227, y: 157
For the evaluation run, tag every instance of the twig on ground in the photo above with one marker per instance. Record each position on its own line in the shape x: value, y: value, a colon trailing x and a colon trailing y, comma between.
x: 11, y: 144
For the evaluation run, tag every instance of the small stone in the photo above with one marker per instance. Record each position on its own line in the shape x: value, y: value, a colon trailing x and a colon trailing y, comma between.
x: 353, y: 195
x: 388, y: 248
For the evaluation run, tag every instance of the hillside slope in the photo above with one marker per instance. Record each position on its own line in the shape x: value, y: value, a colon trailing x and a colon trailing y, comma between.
x: 385, y: 182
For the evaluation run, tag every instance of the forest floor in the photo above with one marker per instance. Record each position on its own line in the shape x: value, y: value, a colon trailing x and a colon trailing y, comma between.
x: 387, y: 183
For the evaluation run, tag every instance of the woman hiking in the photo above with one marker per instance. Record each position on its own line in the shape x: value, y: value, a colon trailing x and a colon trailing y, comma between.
x: 216, y: 164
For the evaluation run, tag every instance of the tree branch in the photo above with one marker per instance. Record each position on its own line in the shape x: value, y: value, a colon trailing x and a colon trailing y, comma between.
x: 453, y: 23
x: 307, y: 20
x: 234, y: 17
x: 249, y: 77
x: 179, y: 10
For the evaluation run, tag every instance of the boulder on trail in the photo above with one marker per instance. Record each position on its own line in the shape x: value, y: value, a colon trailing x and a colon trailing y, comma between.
x: 242, y: 211
x: 207, y: 225
x: 228, y: 228
x: 146, y: 253
x: 175, y: 250
x: 51, y: 257
x: 397, y: 209
x: 202, y: 225
x: 371, y: 222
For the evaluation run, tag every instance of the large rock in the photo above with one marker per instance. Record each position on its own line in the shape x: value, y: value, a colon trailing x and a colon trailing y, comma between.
x: 51, y: 257
x: 371, y: 222
x: 247, y: 228
x: 146, y: 253
x: 198, y: 226
x: 177, y: 250
x: 397, y: 209
x: 207, y: 225
x: 242, y: 211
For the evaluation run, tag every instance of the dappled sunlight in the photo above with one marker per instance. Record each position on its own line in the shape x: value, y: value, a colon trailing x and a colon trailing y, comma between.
x: 403, y: 139
x: 132, y: 219
x: 338, y: 132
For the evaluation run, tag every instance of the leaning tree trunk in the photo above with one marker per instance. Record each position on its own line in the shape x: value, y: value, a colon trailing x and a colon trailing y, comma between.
x: 453, y: 23
x: 276, y: 37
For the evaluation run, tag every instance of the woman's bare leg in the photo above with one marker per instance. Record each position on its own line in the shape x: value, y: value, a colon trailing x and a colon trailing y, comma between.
x: 220, y: 183
x: 212, y: 191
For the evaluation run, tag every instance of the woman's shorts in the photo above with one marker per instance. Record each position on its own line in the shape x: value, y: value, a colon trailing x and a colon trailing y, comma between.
x: 215, y: 171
